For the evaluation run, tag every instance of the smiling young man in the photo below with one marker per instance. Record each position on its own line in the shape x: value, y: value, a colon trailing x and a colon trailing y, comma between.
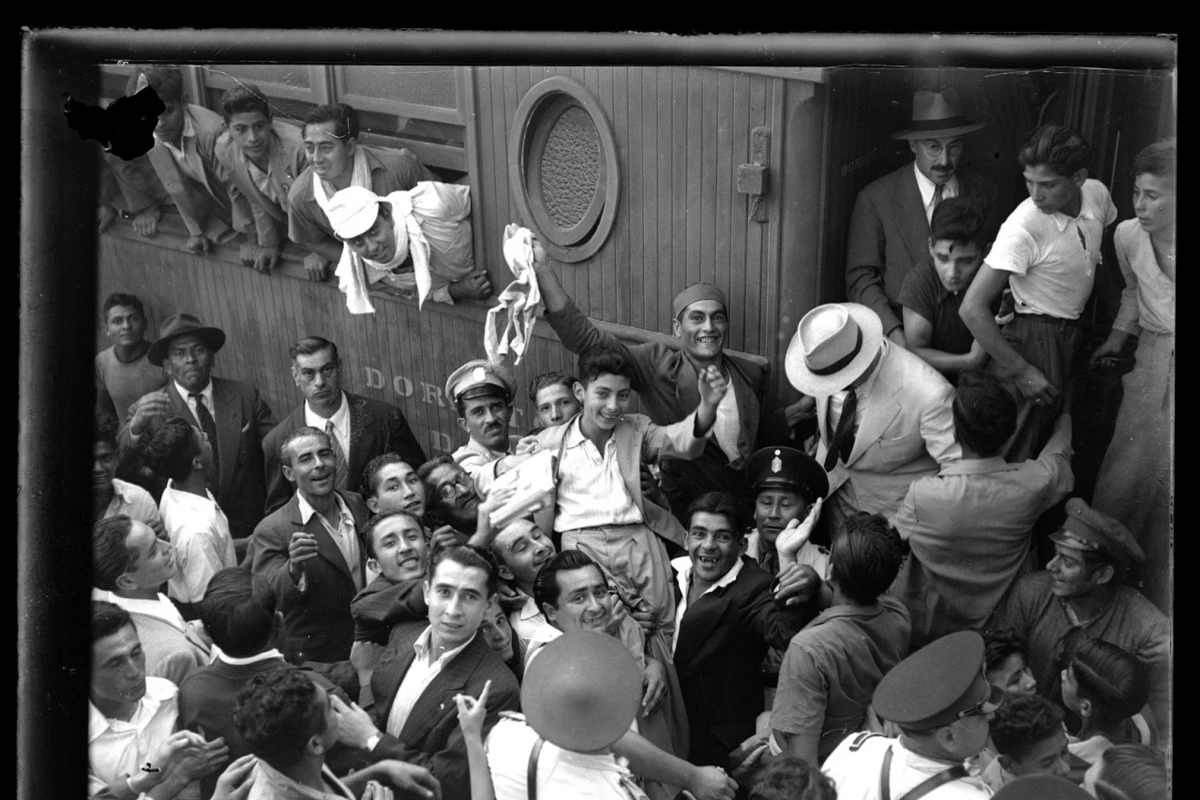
x: 521, y: 549
x: 261, y: 159
x: 130, y: 564
x: 398, y: 555
x: 1047, y: 252
x: 360, y: 428
x: 123, y: 371
x: 425, y: 665
x: 890, y: 224
x: 309, y: 552
x: 335, y: 162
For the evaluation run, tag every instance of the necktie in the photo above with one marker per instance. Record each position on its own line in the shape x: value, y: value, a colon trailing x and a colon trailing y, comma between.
x: 209, y: 426
x: 937, y: 195
x: 843, y: 439
x: 768, y: 562
x: 339, y: 468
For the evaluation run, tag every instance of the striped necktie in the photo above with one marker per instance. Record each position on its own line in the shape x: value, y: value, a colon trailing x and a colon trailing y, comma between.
x: 209, y: 426
x: 339, y: 469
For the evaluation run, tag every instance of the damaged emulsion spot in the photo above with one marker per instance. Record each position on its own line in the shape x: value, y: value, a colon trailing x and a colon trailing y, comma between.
x: 125, y: 128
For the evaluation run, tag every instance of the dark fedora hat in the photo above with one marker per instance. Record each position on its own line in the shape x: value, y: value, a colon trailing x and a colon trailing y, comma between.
x: 937, y: 115
x: 183, y: 325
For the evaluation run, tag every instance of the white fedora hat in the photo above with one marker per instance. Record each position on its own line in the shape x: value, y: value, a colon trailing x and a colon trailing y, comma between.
x: 834, y: 344
x: 937, y: 115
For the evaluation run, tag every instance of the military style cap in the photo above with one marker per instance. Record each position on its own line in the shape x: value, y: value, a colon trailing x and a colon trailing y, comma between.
x: 1090, y: 530
x: 940, y: 683
x: 479, y: 378
x: 787, y: 468
x: 1041, y: 787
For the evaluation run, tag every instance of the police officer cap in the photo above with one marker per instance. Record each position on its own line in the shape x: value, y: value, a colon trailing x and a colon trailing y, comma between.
x: 786, y: 468
x: 1041, y: 787
x: 937, y: 685
x: 479, y: 378
x: 1090, y: 530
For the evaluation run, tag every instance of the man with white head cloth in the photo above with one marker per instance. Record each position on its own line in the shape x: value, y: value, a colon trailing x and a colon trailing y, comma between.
x: 415, y: 243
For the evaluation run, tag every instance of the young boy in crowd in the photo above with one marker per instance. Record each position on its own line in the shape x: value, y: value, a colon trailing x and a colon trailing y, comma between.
x: 1030, y: 738
x: 933, y: 290
x: 1005, y: 663
x: 112, y: 496
x: 195, y: 523
x: 123, y: 372
x: 553, y: 398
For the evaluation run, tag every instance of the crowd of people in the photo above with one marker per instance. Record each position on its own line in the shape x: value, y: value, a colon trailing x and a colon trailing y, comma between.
x: 839, y: 597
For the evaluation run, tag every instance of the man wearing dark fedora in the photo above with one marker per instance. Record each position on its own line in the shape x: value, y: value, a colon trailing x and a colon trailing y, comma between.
x: 232, y: 415
x: 884, y: 415
x: 889, y: 227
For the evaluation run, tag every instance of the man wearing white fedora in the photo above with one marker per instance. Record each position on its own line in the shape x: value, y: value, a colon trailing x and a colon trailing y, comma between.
x: 889, y: 227
x: 884, y: 415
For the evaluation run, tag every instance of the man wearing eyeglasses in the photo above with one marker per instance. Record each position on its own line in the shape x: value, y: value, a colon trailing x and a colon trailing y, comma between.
x: 889, y: 228
x: 361, y: 428
x: 728, y: 612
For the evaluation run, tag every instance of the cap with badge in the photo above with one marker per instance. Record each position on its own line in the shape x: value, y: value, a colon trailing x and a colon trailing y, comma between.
x: 479, y: 378
x: 937, y: 685
x: 1093, y: 531
x: 787, y: 468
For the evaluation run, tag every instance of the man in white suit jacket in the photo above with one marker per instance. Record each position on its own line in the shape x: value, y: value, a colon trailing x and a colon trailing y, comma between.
x: 902, y: 427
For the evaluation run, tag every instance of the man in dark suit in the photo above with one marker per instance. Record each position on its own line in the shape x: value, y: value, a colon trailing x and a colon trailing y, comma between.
x: 889, y: 228
x: 732, y: 612
x: 425, y: 666
x: 231, y: 414
x: 309, y: 552
x: 360, y: 428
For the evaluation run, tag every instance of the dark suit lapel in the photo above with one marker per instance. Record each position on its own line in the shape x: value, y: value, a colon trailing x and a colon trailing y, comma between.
x: 698, y: 622
x: 392, y: 667
x: 326, y: 547
x: 229, y: 431
x: 910, y: 216
x: 179, y: 406
x: 362, y: 430
x: 431, y: 705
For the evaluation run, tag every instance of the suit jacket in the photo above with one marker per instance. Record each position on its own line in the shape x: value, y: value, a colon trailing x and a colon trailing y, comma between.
x: 171, y: 653
x: 375, y: 428
x: 889, y: 232
x: 722, y: 641
x: 906, y: 431
x: 665, y: 380
x: 287, y: 161
x: 638, y: 440
x: 316, y: 619
x: 243, y: 418
x: 431, y: 737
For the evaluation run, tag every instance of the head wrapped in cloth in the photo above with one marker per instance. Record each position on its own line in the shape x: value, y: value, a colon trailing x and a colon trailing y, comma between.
x: 353, y: 211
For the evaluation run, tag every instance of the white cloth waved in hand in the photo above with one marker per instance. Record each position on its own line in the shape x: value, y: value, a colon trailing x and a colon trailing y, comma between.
x: 522, y: 299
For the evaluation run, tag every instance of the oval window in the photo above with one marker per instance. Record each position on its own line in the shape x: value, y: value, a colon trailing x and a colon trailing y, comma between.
x: 563, y: 169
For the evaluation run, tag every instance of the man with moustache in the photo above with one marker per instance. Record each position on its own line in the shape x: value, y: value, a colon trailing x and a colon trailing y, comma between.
x: 483, y: 394
x: 889, y: 227
x: 359, y: 427
x: 232, y: 415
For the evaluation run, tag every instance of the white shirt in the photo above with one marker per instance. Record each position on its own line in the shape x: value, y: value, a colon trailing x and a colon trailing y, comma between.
x: 161, y: 608
x: 591, y: 490
x: 1052, y: 270
x: 203, y: 545
x: 340, y: 420
x: 560, y: 773
x: 727, y: 427
x: 262, y: 180
x: 117, y: 749
x: 254, y: 659
x: 857, y: 773
x: 526, y: 622
x: 683, y: 574
x: 133, y: 501
x: 177, y: 153
x: 207, y: 392
x: 420, y: 674
x: 928, y: 188
x: 345, y: 535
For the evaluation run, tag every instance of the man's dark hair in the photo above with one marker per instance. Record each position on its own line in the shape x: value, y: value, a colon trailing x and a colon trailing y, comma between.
x: 277, y: 713
x: 106, y: 430
x: 244, y: 98
x: 1058, y: 148
x: 866, y: 558
x: 985, y: 413
x: 368, y: 531
x: 118, y: 299
x: 343, y: 117
x: 238, y: 612
x: 1022, y: 723
x: 369, y: 481
x: 300, y: 433
x: 545, y: 584
x: 171, y: 450
x: 107, y: 619
x: 959, y: 220
x: 999, y: 645
x: 425, y: 472
x: 792, y: 779
x: 597, y: 361
x: 166, y: 81
x: 1156, y: 159
x: 1115, y: 680
x: 468, y: 556
x: 311, y: 345
x: 111, y: 557
x: 546, y: 380
x: 1131, y: 772
x: 726, y: 505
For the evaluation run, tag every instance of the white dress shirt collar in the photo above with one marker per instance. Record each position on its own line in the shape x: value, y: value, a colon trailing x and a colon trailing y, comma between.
x: 340, y: 418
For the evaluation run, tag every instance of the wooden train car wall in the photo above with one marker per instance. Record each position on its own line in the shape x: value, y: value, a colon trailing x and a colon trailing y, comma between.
x: 680, y: 133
